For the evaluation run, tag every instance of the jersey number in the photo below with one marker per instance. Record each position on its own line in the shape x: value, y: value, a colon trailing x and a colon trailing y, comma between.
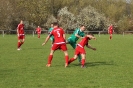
x: 58, y: 33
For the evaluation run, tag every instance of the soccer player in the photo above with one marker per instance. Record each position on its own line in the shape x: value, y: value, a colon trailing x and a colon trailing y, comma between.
x: 59, y: 43
x: 80, y: 49
x: 38, y: 31
x: 20, y: 34
x: 50, y: 29
x: 110, y: 31
x: 78, y: 33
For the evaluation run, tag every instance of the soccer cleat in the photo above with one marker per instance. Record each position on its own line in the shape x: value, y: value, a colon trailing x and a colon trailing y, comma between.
x: 19, y: 49
x: 82, y: 66
x: 48, y: 65
x: 66, y: 65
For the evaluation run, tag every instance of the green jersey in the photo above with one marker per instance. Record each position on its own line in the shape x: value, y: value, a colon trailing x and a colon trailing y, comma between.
x: 50, y: 29
x: 78, y: 32
x: 52, y: 37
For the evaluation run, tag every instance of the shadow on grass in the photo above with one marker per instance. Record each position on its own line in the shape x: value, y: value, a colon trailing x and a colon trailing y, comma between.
x: 91, y: 64
x: 99, y: 63
x: 34, y: 48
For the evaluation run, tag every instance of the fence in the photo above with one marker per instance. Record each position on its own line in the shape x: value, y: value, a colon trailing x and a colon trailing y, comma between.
x: 4, y: 32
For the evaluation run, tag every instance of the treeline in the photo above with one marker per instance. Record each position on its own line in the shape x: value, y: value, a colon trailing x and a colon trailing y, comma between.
x: 95, y: 14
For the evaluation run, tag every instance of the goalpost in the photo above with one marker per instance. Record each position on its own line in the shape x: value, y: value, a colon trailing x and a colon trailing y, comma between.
x: 127, y: 32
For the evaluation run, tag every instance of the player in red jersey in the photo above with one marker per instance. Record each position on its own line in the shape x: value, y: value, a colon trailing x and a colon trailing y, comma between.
x: 59, y: 43
x: 38, y: 31
x: 20, y: 33
x: 80, y: 49
x: 110, y: 31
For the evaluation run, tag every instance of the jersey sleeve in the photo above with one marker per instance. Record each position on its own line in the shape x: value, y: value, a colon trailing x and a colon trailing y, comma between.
x: 51, y: 33
x: 77, y: 31
x: 62, y: 31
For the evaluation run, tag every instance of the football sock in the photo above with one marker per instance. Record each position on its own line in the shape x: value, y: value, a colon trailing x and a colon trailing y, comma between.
x: 71, y: 60
x: 50, y: 59
x: 83, y: 62
x: 38, y: 36
x: 19, y: 44
x: 67, y: 58
x: 110, y: 37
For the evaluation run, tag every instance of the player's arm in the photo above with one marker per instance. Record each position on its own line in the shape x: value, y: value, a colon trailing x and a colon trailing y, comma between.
x: 18, y: 31
x: 36, y: 30
x: 76, y: 34
x: 91, y: 37
x: 89, y: 46
x: 46, y: 40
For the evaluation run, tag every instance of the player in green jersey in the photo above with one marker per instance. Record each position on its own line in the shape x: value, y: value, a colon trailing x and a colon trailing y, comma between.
x: 50, y: 29
x: 78, y: 33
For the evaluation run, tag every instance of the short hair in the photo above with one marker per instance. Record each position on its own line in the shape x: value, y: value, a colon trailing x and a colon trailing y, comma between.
x: 82, y: 25
x: 90, y: 34
x: 55, y: 24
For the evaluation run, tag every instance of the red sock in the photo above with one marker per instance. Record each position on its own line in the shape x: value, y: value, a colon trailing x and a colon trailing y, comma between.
x: 50, y: 59
x: 38, y: 36
x: 83, y: 62
x: 110, y: 37
x: 71, y: 60
x: 66, y: 59
x: 19, y: 44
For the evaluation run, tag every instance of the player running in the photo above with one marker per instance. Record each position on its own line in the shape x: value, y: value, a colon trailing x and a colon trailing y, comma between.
x: 80, y: 49
x: 59, y: 43
x: 38, y: 31
x: 110, y: 31
x: 78, y: 33
x: 20, y: 34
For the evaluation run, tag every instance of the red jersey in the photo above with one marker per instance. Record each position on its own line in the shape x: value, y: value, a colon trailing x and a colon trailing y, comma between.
x: 83, y: 42
x: 20, y: 29
x: 38, y: 30
x: 58, y: 35
x: 110, y: 29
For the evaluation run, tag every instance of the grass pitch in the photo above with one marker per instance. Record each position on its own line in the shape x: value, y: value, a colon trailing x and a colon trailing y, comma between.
x: 111, y: 66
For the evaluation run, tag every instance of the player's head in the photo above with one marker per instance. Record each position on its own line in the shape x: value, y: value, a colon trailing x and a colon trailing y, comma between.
x: 91, y: 36
x: 82, y: 27
x: 55, y: 24
x: 21, y: 22
x: 51, y: 25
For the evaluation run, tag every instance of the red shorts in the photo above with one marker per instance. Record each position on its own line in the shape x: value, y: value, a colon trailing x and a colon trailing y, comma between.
x: 79, y: 50
x: 59, y: 46
x: 38, y: 32
x: 21, y: 37
x: 110, y: 32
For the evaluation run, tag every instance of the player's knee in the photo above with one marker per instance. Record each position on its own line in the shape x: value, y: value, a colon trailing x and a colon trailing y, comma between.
x: 75, y: 56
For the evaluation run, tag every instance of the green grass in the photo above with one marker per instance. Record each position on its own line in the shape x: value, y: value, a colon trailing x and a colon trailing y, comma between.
x: 111, y: 66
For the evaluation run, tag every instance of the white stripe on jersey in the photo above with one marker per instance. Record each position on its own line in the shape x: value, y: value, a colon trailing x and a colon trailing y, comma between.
x: 80, y: 45
x: 59, y: 43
